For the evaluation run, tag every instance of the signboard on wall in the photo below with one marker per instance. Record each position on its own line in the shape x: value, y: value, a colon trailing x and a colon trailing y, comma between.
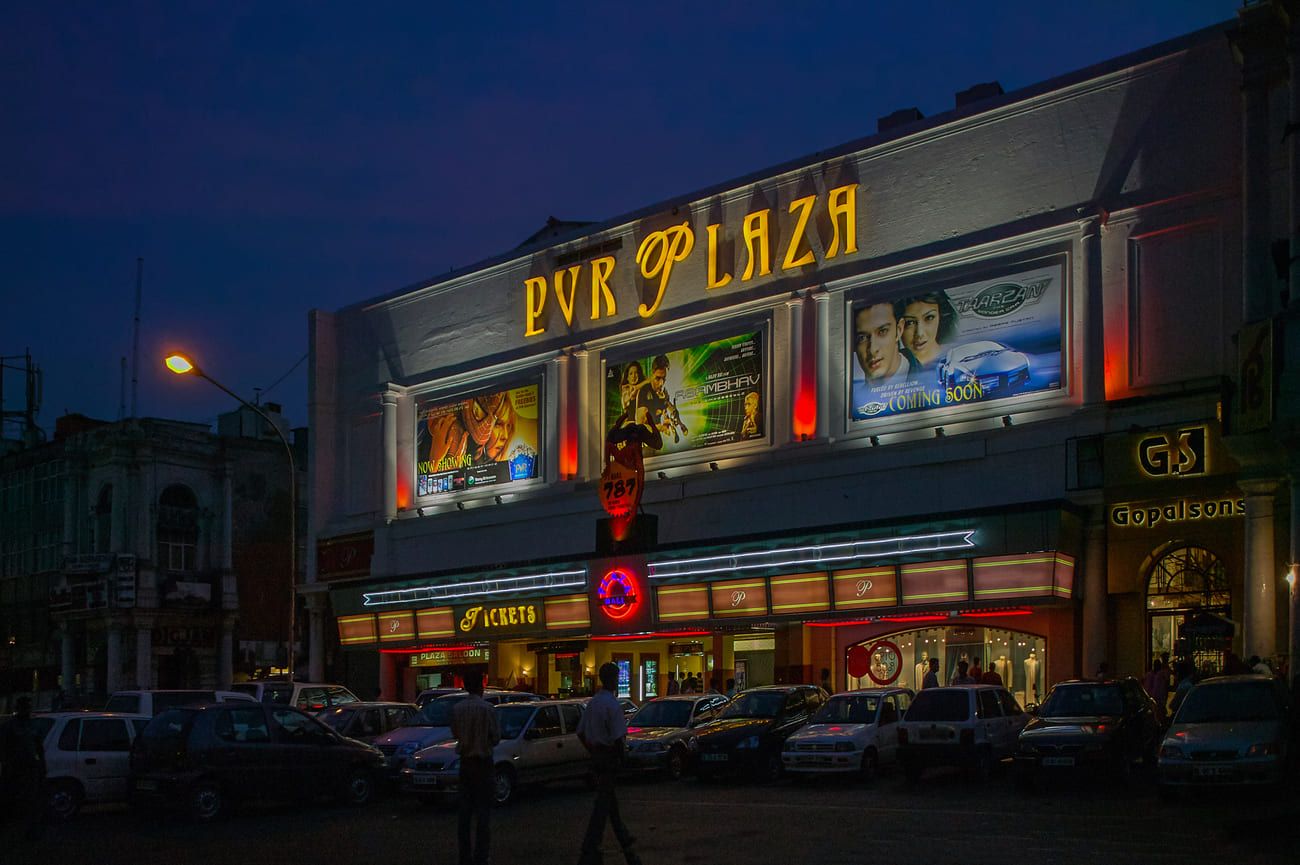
x: 507, y: 617
x: 1185, y: 451
x: 699, y: 397
x: 488, y: 439
x: 343, y: 557
x: 619, y: 596
x: 934, y: 347
x: 934, y: 582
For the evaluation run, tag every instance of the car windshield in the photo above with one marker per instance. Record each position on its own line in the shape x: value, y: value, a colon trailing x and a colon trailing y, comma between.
x: 940, y: 706
x: 1219, y: 704
x: 847, y: 710
x: 663, y: 713
x: 1082, y: 701
x: 436, y: 713
x: 755, y: 704
x: 512, y: 717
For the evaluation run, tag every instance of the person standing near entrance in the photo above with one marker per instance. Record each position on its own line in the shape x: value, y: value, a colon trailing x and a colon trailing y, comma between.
x: 673, y: 687
x: 475, y: 728
x: 931, y: 679
x: 602, y: 732
x: 22, y: 770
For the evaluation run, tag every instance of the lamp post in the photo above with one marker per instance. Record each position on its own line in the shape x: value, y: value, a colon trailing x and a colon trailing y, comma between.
x: 182, y: 365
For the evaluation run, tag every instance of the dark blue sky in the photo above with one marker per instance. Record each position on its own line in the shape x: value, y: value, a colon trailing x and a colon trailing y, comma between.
x: 268, y: 158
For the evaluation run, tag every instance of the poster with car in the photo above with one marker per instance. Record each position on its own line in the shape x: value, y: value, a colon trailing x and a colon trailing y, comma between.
x: 486, y: 439
x: 703, y: 396
x: 976, y: 342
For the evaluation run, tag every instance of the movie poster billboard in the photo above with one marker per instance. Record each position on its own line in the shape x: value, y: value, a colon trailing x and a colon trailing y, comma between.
x: 704, y: 396
x: 476, y: 441
x: 971, y: 343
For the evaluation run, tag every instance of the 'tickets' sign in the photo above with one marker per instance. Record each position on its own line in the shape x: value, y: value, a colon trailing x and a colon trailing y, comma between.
x: 502, y: 618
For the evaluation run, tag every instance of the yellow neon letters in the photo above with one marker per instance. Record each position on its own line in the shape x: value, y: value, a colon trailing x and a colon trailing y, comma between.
x: 601, y: 268
x: 842, y: 202
x: 657, y: 255
x: 804, y: 206
x: 756, y: 244
x: 715, y: 281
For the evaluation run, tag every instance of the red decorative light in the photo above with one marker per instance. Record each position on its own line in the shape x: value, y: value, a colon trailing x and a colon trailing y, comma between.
x: 656, y: 635
x: 840, y: 624
x: 993, y: 614
x: 421, y: 649
x: 618, y: 594
x: 914, y: 618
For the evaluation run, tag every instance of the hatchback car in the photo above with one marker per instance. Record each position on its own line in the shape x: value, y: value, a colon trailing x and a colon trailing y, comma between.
x: 539, y: 743
x: 972, y: 726
x: 366, y: 722
x: 1091, y: 726
x: 308, y: 696
x: 87, y: 758
x: 1230, y: 730
x: 204, y: 758
x: 659, y: 734
x: 853, y: 732
x: 431, y: 725
x: 748, y: 735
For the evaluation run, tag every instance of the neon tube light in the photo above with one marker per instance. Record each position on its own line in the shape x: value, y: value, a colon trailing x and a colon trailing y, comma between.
x: 818, y: 553
x: 992, y: 614
x: 658, y: 635
x: 422, y: 649
x: 477, y: 588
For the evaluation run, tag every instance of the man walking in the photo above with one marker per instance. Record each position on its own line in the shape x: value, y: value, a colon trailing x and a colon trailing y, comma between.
x: 475, y: 728
x: 931, y: 679
x: 602, y: 731
x: 22, y: 764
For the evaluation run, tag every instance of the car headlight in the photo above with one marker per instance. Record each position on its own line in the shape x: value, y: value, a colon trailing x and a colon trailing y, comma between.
x: 1172, y: 752
x: 843, y: 746
x: 751, y: 742
x: 1263, y: 749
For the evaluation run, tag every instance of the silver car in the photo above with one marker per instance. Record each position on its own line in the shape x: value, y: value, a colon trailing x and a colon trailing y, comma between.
x: 539, y: 743
x: 659, y: 734
x: 1233, y: 730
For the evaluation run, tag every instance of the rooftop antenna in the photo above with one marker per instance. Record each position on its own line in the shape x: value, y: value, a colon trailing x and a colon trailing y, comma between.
x: 135, y: 341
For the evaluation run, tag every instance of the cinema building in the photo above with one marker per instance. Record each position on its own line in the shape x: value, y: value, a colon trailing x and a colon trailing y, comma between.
x: 1004, y: 383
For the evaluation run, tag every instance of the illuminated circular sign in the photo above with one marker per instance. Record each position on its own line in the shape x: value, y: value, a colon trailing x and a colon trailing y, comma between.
x: 886, y: 663
x: 618, y: 595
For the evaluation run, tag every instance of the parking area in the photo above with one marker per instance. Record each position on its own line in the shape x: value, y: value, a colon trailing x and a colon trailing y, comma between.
x: 943, y: 818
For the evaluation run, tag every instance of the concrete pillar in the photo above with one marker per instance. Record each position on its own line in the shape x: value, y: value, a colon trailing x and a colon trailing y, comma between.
x: 565, y: 417
x: 794, y: 306
x: 389, y: 402
x: 590, y: 436
x: 316, y: 636
x: 113, y: 658
x: 822, y: 308
x: 68, y: 659
x: 226, y: 656
x: 388, y: 683
x: 1095, y: 649
x: 1092, y: 321
x: 144, y: 655
x: 1260, y: 576
x: 1293, y: 580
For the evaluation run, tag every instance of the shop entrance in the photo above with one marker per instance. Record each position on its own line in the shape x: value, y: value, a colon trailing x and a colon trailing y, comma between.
x: 1185, y: 581
x: 901, y: 659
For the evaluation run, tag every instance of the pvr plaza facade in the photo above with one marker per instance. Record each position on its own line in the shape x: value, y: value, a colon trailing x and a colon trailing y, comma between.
x: 978, y: 386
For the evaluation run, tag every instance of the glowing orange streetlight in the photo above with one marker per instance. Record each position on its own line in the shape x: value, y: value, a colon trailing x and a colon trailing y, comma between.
x: 182, y: 365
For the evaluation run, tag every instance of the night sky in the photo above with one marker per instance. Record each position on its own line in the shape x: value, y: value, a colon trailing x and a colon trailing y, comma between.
x: 269, y: 158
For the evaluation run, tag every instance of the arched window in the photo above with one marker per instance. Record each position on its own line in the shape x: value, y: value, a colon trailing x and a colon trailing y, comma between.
x: 1183, y: 580
x: 178, y: 529
x: 103, y: 539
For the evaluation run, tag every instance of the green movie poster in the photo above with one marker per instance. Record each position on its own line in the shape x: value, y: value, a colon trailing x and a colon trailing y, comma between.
x: 699, y: 397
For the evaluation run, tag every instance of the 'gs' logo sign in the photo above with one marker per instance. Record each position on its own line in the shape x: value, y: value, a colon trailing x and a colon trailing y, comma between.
x: 1173, y: 455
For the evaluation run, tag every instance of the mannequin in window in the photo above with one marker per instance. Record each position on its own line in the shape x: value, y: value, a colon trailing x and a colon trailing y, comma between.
x: 1002, y: 666
x: 921, y: 666
x: 1031, y: 676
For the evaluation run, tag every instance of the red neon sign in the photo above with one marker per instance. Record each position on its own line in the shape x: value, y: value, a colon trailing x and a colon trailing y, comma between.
x: 618, y: 594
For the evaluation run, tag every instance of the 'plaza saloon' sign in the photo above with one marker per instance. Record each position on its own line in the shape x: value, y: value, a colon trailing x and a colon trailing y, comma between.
x: 514, y: 617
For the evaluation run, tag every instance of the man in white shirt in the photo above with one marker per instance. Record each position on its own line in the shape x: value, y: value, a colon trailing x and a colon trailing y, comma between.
x: 602, y: 731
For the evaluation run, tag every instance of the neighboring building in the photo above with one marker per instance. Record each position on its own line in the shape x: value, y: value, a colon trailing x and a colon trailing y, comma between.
x: 143, y: 553
x: 957, y: 390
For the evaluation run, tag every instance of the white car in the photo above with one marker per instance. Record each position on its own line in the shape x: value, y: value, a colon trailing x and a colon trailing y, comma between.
x: 155, y: 702
x: 972, y: 726
x: 87, y: 758
x: 308, y: 696
x: 853, y: 732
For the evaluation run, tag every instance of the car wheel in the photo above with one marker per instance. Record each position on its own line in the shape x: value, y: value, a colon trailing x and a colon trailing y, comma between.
x: 676, y: 766
x: 205, y: 801
x: 503, y: 785
x: 359, y: 788
x: 64, y: 799
x: 867, y: 772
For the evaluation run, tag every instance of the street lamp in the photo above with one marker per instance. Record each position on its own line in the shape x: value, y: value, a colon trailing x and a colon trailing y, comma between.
x: 182, y: 365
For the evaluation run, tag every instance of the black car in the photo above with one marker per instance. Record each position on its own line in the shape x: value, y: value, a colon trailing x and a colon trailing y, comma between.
x: 1089, y: 725
x: 659, y: 735
x: 366, y: 722
x: 204, y: 758
x: 748, y: 736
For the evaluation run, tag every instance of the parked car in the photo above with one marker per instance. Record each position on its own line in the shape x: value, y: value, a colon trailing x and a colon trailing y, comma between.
x: 205, y: 758
x: 154, y: 701
x: 992, y: 365
x: 1237, y: 730
x: 1089, y: 725
x: 972, y: 726
x: 749, y: 733
x: 539, y: 743
x: 308, y: 696
x: 853, y: 732
x: 432, y: 725
x: 659, y: 735
x: 87, y: 758
x: 434, y: 693
x: 628, y: 705
x: 366, y: 722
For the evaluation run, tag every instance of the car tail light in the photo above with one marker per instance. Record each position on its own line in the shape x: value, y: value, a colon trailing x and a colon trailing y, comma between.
x: 968, y: 737
x: 902, y: 736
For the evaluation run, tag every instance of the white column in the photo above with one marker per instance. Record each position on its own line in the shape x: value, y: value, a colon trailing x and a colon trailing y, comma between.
x: 389, y: 402
x: 144, y: 654
x: 590, y: 435
x: 316, y: 634
x: 113, y: 658
x: 1259, y: 579
x: 1094, y: 593
x: 68, y: 658
x: 564, y: 418
x: 822, y: 309
x: 795, y: 307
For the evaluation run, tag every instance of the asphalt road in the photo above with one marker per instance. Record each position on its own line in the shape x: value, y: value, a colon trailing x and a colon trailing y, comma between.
x: 942, y: 819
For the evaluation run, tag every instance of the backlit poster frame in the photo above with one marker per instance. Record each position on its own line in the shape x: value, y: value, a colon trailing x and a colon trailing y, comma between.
x: 486, y: 437
x: 716, y: 391
x: 985, y: 336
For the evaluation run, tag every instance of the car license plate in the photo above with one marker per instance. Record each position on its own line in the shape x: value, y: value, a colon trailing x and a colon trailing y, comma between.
x: 932, y: 734
x: 143, y: 784
x: 425, y: 779
x: 1211, y: 772
x: 714, y: 758
x: 1058, y: 761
